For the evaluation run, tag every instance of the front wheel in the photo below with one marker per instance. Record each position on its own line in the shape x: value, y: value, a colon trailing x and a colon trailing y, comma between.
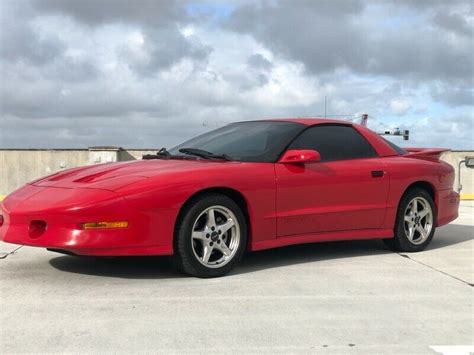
x: 416, y: 222
x: 210, y: 237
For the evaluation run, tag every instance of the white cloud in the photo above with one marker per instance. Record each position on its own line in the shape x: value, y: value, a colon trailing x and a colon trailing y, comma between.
x: 399, y: 106
x: 95, y: 75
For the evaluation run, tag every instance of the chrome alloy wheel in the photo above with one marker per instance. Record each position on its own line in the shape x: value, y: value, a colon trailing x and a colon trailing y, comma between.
x: 215, y: 237
x: 418, y: 220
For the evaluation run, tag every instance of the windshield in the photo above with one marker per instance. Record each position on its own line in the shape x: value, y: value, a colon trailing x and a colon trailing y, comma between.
x: 255, y: 141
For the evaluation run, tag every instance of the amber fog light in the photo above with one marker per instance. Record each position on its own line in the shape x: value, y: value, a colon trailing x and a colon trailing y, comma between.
x: 37, y: 228
x: 105, y: 225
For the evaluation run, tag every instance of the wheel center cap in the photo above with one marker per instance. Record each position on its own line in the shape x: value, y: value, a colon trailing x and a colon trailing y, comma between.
x: 214, y: 236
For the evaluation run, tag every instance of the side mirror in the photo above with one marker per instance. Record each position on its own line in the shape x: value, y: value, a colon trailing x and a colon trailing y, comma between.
x: 292, y: 156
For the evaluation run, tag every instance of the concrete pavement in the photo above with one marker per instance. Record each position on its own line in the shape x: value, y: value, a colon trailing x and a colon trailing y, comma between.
x: 345, y: 297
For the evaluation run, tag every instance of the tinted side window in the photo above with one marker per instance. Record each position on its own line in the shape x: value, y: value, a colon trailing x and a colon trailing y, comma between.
x: 399, y: 150
x: 334, y: 142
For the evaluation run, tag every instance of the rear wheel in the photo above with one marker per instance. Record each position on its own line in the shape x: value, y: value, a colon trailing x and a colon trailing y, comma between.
x: 211, y: 236
x: 416, y: 222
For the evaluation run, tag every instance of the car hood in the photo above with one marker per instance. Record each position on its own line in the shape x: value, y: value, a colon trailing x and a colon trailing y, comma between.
x: 113, y: 176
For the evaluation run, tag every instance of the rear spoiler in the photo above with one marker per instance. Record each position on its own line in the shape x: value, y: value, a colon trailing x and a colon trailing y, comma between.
x: 425, y: 153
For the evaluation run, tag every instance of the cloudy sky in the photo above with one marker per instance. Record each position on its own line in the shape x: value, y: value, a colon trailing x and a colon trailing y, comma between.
x: 151, y: 73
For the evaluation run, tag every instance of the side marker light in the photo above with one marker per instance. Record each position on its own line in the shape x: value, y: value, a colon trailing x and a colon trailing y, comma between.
x: 105, y: 225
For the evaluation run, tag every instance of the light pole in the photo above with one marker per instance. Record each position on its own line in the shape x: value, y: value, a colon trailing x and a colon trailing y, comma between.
x: 469, y: 162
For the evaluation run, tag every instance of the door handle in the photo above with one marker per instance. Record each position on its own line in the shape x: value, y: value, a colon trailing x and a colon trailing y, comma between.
x: 378, y: 173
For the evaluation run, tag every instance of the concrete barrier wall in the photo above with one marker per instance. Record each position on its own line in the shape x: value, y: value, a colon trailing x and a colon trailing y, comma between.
x: 18, y: 166
x: 467, y: 175
x: 133, y: 154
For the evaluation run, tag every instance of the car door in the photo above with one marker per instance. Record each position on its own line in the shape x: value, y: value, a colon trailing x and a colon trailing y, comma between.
x: 346, y: 190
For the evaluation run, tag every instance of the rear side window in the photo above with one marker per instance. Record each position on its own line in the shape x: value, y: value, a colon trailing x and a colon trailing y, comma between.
x: 395, y: 147
x: 334, y: 142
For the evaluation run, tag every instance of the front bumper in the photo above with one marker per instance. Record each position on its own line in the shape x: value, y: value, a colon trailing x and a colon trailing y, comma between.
x: 64, y: 210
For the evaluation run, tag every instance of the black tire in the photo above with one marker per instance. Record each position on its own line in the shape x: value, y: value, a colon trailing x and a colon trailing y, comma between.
x: 400, y: 242
x: 185, y: 257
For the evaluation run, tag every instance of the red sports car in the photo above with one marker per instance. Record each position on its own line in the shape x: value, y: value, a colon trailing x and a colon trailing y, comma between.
x: 246, y: 186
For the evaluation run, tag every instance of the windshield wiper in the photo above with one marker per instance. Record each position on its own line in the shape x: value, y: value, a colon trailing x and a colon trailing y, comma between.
x: 204, y: 154
x: 161, y: 154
